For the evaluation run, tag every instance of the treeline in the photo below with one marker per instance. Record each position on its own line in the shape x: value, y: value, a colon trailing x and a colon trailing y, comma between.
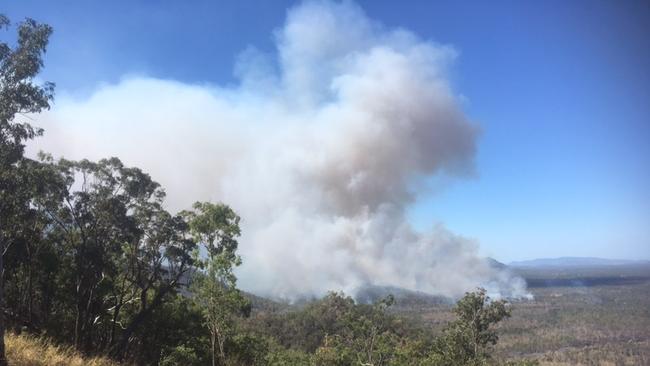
x: 91, y: 258
x: 337, y: 331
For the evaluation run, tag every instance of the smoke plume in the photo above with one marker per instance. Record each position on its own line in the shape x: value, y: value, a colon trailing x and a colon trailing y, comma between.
x: 320, y: 147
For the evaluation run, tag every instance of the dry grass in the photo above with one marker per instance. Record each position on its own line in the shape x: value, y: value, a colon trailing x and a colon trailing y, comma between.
x: 601, y: 324
x: 29, y: 351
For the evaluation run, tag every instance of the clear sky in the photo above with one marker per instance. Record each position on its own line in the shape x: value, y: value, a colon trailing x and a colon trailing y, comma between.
x: 561, y: 90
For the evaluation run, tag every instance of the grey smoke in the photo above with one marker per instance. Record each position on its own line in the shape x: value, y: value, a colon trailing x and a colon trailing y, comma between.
x: 321, y: 148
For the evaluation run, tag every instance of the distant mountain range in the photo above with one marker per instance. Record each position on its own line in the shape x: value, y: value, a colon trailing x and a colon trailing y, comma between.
x: 495, y: 263
x: 576, y: 262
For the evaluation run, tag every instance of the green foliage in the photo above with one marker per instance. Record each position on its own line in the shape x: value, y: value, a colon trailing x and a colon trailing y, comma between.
x: 304, y: 329
x: 247, y: 349
x: 412, y: 352
x: 214, y: 225
x: 333, y: 354
x: 181, y: 355
x: 177, y: 323
x: 279, y: 356
x: 18, y: 95
x: 214, y: 289
x: 347, y: 333
x: 367, y: 336
x: 94, y: 255
x: 467, y: 340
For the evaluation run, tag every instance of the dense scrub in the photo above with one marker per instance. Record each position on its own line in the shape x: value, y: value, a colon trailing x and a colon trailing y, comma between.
x: 337, y: 331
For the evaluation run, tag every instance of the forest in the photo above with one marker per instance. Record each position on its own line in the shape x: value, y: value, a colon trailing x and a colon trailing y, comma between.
x: 92, y: 260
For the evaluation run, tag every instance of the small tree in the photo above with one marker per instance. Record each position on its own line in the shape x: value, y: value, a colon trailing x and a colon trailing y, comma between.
x: 216, y: 228
x: 467, y: 340
x: 367, y: 336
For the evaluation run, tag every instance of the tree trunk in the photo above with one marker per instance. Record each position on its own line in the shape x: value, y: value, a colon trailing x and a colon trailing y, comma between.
x: 3, y: 358
x: 116, y: 314
x: 77, y: 325
x: 222, y: 354
x: 214, y: 349
x: 30, y: 293
x: 118, y: 351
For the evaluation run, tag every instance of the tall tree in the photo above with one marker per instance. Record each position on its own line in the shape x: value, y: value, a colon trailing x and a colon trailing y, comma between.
x: 29, y: 263
x: 19, y: 95
x: 156, y: 264
x: 122, y: 254
x: 216, y: 227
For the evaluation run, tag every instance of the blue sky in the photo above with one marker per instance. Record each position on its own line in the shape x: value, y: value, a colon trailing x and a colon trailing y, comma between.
x: 560, y: 89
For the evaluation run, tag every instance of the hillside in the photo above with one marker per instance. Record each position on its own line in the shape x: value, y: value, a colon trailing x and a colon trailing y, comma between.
x: 25, y: 350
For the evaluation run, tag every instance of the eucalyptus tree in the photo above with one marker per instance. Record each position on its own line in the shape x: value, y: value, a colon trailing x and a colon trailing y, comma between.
x: 468, y: 339
x: 32, y: 261
x: 366, y: 335
x: 214, y: 288
x: 92, y: 223
x: 122, y: 253
x: 156, y: 264
x: 19, y: 95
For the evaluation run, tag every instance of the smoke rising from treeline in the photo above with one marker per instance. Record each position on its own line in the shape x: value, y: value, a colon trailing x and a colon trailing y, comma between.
x: 320, y: 148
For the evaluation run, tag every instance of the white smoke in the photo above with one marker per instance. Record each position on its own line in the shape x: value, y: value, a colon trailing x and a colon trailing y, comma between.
x: 320, y: 148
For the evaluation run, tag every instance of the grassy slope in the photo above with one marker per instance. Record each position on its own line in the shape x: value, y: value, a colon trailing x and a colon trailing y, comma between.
x: 25, y: 350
